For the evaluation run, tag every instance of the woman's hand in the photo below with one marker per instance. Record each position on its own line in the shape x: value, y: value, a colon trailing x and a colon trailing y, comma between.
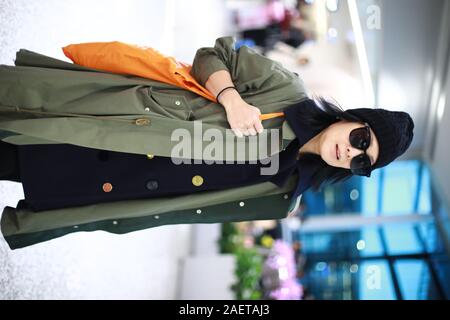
x: 242, y: 117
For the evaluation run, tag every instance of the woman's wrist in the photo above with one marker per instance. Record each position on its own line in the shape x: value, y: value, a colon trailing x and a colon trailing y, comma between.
x: 230, y: 98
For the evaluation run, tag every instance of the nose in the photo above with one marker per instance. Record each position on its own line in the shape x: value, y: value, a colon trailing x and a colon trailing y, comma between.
x: 352, y: 152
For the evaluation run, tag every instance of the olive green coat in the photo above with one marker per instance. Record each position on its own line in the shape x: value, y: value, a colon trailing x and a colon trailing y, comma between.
x: 46, y: 100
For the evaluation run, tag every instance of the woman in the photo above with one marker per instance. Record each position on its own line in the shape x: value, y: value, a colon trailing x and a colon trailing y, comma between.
x: 115, y: 133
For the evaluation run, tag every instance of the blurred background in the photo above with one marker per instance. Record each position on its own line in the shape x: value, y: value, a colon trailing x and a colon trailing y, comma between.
x: 384, y: 237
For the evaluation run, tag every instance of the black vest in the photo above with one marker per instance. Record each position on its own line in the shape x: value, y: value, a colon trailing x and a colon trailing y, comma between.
x: 63, y: 175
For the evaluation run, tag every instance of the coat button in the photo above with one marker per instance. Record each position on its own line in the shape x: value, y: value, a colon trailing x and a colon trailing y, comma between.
x: 107, y: 187
x: 197, y: 181
x: 152, y: 185
x: 177, y: 102
x: 150, y: 156
x: 241, y: 203
x: 147, y: 109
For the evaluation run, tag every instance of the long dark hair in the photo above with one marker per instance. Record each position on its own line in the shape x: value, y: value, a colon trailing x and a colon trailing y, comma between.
x: 319, y: 118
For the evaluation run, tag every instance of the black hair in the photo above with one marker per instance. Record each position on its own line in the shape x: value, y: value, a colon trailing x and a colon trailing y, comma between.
x: 323, y: 115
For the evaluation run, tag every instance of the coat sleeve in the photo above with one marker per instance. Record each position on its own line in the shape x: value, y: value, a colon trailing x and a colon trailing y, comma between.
x: 250, y: 71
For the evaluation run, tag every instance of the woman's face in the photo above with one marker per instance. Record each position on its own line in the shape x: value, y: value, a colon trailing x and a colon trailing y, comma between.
x: 337, y: 135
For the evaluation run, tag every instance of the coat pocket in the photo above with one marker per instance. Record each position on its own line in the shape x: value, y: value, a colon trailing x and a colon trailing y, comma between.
x: 171, y: 106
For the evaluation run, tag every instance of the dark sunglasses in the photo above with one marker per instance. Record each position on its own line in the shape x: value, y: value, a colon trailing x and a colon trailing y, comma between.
x: 360, y: 139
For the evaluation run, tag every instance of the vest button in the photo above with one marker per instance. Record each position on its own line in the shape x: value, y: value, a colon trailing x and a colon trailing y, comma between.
x: 107, y: 187
x: 152, y: 185
x: 197, y: 181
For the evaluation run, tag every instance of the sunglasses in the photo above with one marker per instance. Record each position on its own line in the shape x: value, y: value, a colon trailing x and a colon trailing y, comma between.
x: 360, y: 139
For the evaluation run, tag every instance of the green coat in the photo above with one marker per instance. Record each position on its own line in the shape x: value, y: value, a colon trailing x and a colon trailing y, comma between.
x: 46, y: 100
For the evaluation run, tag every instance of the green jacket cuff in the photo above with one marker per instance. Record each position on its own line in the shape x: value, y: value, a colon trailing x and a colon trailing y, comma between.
x: 209, y: 60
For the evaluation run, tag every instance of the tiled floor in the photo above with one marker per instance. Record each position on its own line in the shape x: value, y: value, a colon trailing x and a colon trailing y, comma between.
x: 98, y: 265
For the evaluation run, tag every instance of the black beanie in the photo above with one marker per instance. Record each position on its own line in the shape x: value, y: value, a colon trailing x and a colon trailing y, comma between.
x: 393, y: 129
